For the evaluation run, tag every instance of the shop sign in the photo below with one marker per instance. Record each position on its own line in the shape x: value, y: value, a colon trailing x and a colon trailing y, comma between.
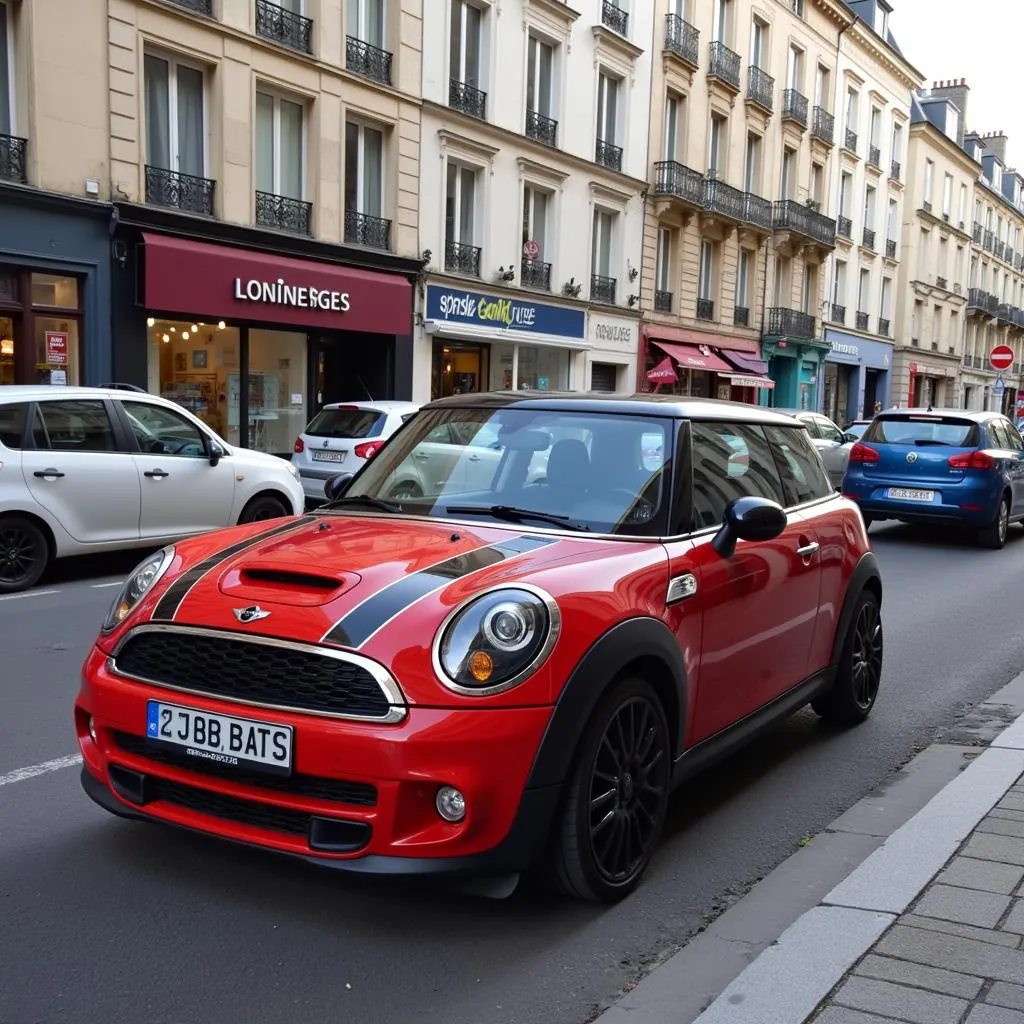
x: 278, y: 293
x: 484, y: 310
x: 57, y: 348
x: 843, y: 349
x: 663, y: 373
x: 613, y: 333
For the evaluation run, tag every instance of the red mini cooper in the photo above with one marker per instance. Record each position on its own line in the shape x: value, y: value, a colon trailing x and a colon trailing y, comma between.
x: 588, y: 599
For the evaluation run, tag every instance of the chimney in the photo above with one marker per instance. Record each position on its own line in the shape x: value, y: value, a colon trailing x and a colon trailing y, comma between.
x: 995, y: 142
x: 955, y: 90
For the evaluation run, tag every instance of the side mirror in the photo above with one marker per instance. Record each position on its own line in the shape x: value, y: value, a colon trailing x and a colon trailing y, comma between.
x: 748, y: 519
x: 215, y: 452
x: 850, y: 438
x: 337, y: 485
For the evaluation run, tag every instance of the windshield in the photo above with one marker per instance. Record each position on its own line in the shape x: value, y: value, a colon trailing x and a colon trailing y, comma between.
x: 857, y: 429
x: 348, y: 422
x: 923, y: 430
x: 599, y: 472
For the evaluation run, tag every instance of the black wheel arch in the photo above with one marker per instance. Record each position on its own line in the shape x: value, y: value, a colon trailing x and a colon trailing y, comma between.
x: 866, y: 575
x: 41, y: 524
x: 268, y: 492
x: 644, y: 646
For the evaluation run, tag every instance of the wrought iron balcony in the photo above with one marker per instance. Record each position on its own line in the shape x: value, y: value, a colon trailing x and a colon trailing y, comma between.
x: 672, y: 178
x: 196, y: 6
x: 927, y: 206
x: 284, y: 213
x: 467, y: 98
x: 365, y: 229
x: 757, y: 211
x: 602, y: 289
x: 760, y: 88
x: 705, y: 309
x: 975, y: 298
x: 999, y: 248
x: 823, y: 125
x: 1010, y: 256
x: 724, y: 65
x: 662, y: 302
x: 838, y: 313
x: 988, y: 240
x: 283, y: 26
x: 741, y: 316
x: 790, y: 323
x: 371, y: 62
x: 862, y: 321
x: 976, y: 232
x: 607, y: 154
x: 874, y: 157
x: 179, y: 191
x: 890, y: 248
x: 541, y: 128
x: 682, y: 39
x: 883, y: 327
x: 850, y: 142
x: 723, y: 199
x: 794, y: 107
x: 801, y: 220
x: 614, y: 17
x: 940, y: 282
x: 461, y: 258
x: 895, y: 171
x: 12, y: 158
x: 536, y: 275
x: 1004, y: 313
x: 844, y: 227
x: 868, y: 239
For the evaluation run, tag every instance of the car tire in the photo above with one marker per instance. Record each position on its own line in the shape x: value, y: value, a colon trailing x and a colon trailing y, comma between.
x: 994, y: 535
x: 24, y: 554
x: 853, y: 693
x: 615, y: 799
x: 261, y: 508
x: 406, y: 491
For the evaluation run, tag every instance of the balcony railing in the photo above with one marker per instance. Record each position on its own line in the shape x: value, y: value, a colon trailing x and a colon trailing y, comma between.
x: 682, y: 39
x: 12, y: 158
x: 741, y: 316
x: 461, y: 258
x: 541, y: 128
x: 602, y: 289
x: 976, y: 232
x: 467, y: 98
x: 868, y: 239
x: 883, y: 327
x: 862, y: 321
x: 179, y: 191
x: 365, y: 229
x: 790, y: 323
x: 794, y: 107
x: 283, y: 26
x: 927, y: 206
x: 760, y: 87
x: 607, y: 154
x: 801, y: 220
x: 284, y: 213
x: 1003, y: 313
x: 196, y: 6
x: 890, y: 248
x: 672, y: 178
x: 614, y: 17
x: 663, y: 302
x: 874, y: 157
x: 999, y: 248
x: 705, y: 309
x: 536, y: 275
x: 844, y: 227
x: 757, y: 211
x: 823, y: 125
x: 988, y: 240
x: 895, y: 171
x: 724, y: 199
x: 850, y: 141
x: 370, y: 61
x: 838, y: 313
x: 724, y: 65
x: 975, y: 298
x: 940, y: 282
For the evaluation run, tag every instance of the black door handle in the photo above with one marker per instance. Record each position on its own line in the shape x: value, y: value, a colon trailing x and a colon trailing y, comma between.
x: 47, y: 472
x: 156, y: 474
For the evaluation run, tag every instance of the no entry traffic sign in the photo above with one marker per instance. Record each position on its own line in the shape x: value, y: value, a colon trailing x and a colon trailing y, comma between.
x: 1001, y: 357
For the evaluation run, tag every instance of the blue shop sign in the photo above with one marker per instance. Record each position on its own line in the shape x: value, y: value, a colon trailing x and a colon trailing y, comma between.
x: 854, y: 350
x: 452, y: 305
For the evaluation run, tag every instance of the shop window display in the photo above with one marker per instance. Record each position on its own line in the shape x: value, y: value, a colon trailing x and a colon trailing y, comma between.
x: 40, y: 328
x: 539, y: 367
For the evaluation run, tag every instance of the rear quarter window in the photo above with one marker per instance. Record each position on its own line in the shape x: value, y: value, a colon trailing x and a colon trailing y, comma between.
x: 803, y: 475
x: 354, y: 423
x: 951, y: 431
x: 12, y: 424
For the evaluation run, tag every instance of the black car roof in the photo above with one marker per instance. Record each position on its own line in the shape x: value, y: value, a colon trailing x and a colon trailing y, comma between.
x: 672, y: 406
x: 975, y: 415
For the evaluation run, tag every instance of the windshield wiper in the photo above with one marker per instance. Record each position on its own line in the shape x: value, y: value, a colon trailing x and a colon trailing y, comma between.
x: 515, y: 515
x: 362, y: 499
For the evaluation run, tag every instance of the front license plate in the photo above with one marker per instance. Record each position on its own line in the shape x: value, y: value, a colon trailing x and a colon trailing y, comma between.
x: 223, y: 739
x: 909, y: 494
x: 329, y: 456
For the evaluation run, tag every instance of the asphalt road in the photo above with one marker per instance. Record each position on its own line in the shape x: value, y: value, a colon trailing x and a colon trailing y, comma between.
x: 105, y: 920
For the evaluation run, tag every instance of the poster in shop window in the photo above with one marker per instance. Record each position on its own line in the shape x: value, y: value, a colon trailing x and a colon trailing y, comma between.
x: 57, y: 348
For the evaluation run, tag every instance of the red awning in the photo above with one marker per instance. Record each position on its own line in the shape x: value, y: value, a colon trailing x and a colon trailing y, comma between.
x: 654, y: 333
x: 690, y: 357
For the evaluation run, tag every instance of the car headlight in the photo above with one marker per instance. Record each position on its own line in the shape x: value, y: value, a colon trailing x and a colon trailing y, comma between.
x: 495, y: 640
x: 140, y: 581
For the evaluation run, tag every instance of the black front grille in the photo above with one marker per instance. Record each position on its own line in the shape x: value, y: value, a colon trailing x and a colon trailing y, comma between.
x: 247, y: 670
x: 246, y: 812
x: 358, y: 794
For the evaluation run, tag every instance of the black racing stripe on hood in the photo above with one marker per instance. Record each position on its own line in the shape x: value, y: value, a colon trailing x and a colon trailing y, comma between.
x: 168, y: 605
x: 358, y: 625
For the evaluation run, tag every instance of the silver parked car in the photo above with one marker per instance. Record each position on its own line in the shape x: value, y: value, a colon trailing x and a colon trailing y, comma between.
x: 832, y: 443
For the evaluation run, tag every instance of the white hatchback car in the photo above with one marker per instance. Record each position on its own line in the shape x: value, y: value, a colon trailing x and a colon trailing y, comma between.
x: 86, y: 470
x: 341, y: 437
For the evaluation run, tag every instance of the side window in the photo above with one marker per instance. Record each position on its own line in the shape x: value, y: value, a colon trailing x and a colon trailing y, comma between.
x: 406, y: 416
x: 1013, y: 435
x: 162, y: 431
x: 828, y: 430
x: 997, y: 431
x: 75, y: 426
x: 12, y: 424
x: 730, y: 460
x: 439, y: 435
x: 812, y: 426
x: 803, y: 474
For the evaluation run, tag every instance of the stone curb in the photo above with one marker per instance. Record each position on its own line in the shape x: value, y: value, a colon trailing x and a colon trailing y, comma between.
x: 778, y: 952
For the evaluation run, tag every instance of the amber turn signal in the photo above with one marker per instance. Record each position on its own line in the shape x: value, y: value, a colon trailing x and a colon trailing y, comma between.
x: 481, y: 665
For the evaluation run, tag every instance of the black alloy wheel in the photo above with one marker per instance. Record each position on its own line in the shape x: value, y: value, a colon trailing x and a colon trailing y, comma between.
x: 262, y: 508
x: 859, y: 675
x: 405, y: 492
x: 24, y: 554
x: 617, y: 796
x: 994, y: 535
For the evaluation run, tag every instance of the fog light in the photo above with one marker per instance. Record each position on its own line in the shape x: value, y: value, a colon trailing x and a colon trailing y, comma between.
x: 450, y: 803
x: 92, y: 729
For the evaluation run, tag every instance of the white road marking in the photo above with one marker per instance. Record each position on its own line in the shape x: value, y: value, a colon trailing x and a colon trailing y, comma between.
x: 100, y: 586
x: 21, y: 774
x: 28, y: 593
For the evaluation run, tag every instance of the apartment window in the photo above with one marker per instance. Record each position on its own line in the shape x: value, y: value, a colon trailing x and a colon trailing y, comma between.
x: 929, y: 173
x: 958, y: 269
x: 973, y: 281
x: 607, y: 104
x: 366, y: 21
x: 461, y: 251
x: 924, y: 256
x: 897, y: 143
x: 892, y: 223
x: 783, y: 287
x: 851, y: 110
x: 962, y: 208
x: 817, y: 177
x: 743, y: 280
x: 539, y: 76
x: 671, y: 126
x: 810, y: 289
x: 705, y: 281
x: 536, y: 203
x: 175, y: 130
x: 279, y: 146
x: 869, y: 208
x: 795, y: 73
x: 663, y: 272
x: 6, y: 74
x: 721, y: 26
x: 752, y: 168
x: 845, y: 188
x: 947, y: 196
x: 883, y: 308
x: 758, y: 43
x: 873, y: 130
x: 601, y: 256
x: 786, y: 185
x: 839, y: 284
x: 464, y: 53
x: 717, y: 130
x: 863, y: 290
x: 364, y: 182
x: 798, y: 7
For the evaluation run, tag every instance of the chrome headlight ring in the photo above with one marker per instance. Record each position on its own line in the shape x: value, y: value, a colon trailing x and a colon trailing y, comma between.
x: 139, y: 583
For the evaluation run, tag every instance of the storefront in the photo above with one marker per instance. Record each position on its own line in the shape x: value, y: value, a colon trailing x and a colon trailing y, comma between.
x: 485, y: 341
x: 796, y: 367
x: 611, y: 360
x: 701, y: 365
x: 54, y: 309
x: 933, y: 384
x: 856, y: 376
x: 253, y: 342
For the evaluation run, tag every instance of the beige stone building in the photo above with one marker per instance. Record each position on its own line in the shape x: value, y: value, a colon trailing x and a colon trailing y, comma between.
x: 738, y: 221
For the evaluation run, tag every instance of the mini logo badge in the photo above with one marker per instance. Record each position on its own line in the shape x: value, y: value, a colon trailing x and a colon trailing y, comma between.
x: 911, y: 457
x: 326, y: 442
x: 251, y: 614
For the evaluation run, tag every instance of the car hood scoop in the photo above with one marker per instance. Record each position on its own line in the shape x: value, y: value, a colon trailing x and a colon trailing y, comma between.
x: 285, y: 583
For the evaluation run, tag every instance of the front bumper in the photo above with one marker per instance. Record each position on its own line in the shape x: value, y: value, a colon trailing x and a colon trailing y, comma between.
x: 362, y: 796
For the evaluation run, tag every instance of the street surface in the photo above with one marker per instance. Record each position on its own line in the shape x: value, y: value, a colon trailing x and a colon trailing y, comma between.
x: 107, y: 920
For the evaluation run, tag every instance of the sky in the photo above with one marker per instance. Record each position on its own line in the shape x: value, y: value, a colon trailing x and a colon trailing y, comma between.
x: 979, y: 40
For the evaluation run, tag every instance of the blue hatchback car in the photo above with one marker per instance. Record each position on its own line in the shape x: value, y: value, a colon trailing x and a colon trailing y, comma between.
x: 940, y: 465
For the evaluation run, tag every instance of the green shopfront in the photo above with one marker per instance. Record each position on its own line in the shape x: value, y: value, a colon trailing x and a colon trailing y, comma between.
x: 795, y: 358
